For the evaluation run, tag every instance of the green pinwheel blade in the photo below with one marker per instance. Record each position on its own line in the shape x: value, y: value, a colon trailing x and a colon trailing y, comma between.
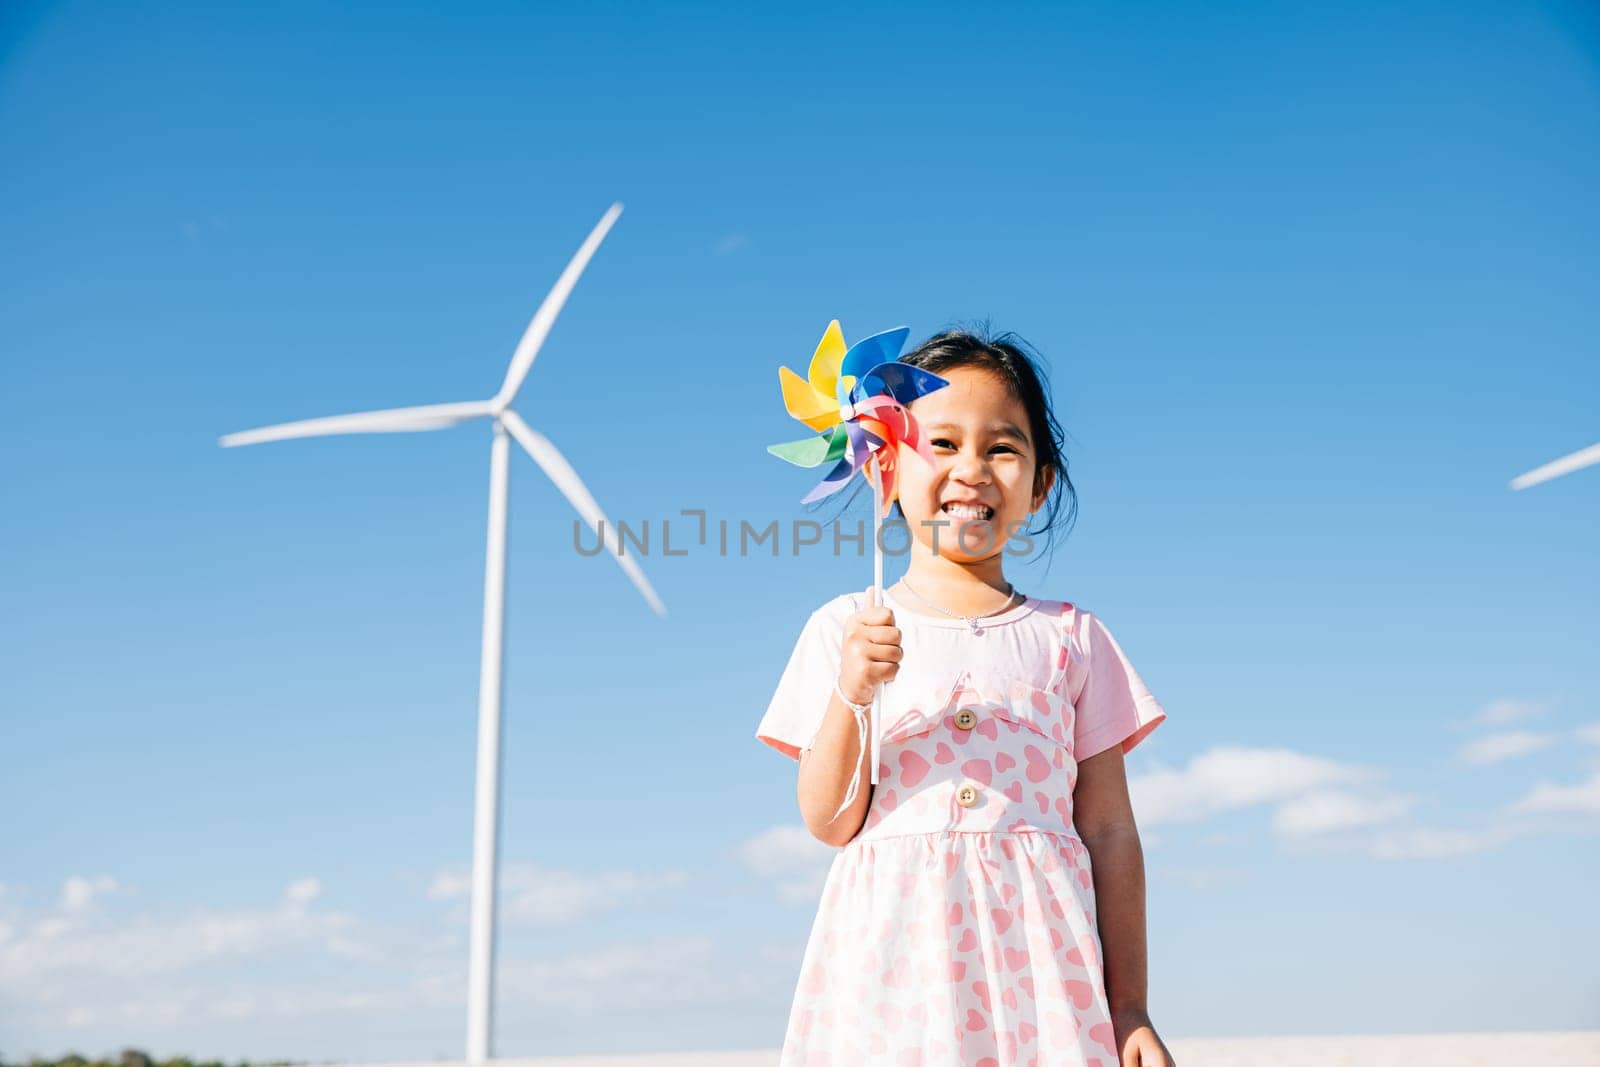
x: 813, y: 451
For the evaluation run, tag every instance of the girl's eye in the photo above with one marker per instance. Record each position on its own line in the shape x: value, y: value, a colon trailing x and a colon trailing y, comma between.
x: 945, y: 441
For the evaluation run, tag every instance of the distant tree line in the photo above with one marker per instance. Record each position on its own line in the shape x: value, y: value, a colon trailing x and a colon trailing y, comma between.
x: 134, y: 1058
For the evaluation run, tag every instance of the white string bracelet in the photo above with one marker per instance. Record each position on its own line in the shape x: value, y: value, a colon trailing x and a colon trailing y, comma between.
x: 860, y: 712
x: 859, y: 709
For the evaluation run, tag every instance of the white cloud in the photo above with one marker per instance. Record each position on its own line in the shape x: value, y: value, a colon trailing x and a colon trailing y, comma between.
x: 74, y: 972
x: 1506, y: 712
x: 1330, y: 811
x: 1318, y: 805
x: 1232, y: 777
x: 789, y: 857
x: 1403, y: 841
x: 1427, y: 843
x: 544, y: 896
x: 300, y: 893
x: 76, y: 939
x: 1545, y: 798
x: 731, y: 243
x: 1589, y: 732
x: 78, y: 893
x: 314, y: 983
x: 447, y: 885
x: 1495, y: 748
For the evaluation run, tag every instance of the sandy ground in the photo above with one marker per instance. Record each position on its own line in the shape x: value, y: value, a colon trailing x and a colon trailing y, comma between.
x: 1567, y: 1049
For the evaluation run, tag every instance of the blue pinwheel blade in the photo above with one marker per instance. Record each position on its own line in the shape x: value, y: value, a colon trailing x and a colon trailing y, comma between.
x: 900, y: 380
x: 870, y: 351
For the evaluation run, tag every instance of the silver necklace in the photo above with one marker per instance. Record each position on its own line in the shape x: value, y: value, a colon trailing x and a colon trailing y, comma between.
x: 972, y: 621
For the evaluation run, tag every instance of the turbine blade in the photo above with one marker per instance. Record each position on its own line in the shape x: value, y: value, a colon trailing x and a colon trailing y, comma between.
x: 557, y: 468
x: 545, y: 317
x: 392, y: 420
x: 1584, y: 457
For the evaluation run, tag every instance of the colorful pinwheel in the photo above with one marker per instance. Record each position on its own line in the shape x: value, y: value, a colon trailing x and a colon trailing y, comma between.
x: 858, y: 399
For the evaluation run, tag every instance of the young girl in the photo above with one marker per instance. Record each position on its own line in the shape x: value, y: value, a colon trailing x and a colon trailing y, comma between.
x: 987, y: 905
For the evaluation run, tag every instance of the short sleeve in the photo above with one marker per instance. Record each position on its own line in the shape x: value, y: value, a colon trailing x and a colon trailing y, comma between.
x: 800, y: 703
x: 1111, y: 700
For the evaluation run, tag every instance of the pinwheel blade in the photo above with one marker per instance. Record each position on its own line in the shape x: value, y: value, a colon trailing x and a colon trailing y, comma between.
x: 559, y: 471
x: 813, y: 451
x: 836, y: 479
x: 1584, y: 457
x: 823, y: 373
x: 900, y: 380
x: 801, y: 400
x: 862, y: 443
x: 392, y: 420
x: 545, y: 317
x: 870, y: 351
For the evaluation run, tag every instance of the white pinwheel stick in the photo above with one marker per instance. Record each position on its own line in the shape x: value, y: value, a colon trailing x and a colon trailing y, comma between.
x: 1584, y: 457
x: 505, y: 421
x: 877, y: 599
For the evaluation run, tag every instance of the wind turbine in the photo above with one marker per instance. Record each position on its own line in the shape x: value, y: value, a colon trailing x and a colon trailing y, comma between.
x: 486, y: 814
x: 1584, y: 457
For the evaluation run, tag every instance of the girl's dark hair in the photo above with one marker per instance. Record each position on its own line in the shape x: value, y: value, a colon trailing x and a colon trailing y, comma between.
x: 1016, y: 363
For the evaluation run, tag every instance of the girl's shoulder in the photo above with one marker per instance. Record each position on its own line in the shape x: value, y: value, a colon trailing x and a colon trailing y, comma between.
x: 1078, y: 627
x: 1072, y: 614
x: 1065, y: 616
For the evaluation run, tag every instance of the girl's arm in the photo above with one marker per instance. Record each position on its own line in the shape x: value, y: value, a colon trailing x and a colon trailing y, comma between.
x: 869, y: 655
x: 825, y: 775
x: 1103, y: 817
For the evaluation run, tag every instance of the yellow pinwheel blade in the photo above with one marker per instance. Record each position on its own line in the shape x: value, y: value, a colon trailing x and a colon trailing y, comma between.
x: 826, y: 360
x: 817, y: 410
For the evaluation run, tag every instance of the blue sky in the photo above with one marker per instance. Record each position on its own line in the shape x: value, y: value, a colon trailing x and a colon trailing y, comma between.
x: 1312, y: 286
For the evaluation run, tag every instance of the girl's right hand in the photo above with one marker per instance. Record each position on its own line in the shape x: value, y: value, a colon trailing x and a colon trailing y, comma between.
x: 871, y: 652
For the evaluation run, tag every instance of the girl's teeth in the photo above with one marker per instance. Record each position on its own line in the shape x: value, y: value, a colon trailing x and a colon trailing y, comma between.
x: 964, y: 512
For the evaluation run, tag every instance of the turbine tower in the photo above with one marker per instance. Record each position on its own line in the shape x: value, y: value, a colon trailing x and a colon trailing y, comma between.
x: 497, y: 409
x: 1584, y: 457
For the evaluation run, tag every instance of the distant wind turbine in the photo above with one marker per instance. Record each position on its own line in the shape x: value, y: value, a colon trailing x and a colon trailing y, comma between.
x: 1584, y: 457
x: 486, y: 816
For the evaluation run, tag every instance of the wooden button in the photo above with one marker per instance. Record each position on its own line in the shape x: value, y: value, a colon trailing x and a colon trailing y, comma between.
x: 967, y: 795
x: 966, y: 718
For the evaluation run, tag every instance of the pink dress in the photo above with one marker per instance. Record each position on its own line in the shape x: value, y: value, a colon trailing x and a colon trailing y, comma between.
x: 958, y: 926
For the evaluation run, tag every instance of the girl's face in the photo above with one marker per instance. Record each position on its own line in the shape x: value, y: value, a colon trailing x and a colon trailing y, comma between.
x: 983, y: 455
